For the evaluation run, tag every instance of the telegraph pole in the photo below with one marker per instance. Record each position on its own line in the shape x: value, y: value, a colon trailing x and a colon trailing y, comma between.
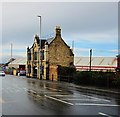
x: 90, y: 58
x: 11, y: 58
x: 73, y: 45
x: 11, y: 53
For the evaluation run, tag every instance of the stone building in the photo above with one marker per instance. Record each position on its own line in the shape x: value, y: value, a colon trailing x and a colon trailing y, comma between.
x: 45, y: 57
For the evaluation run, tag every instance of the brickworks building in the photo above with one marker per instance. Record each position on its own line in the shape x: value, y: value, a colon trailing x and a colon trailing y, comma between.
x: 97, y: 63
x: 45, y: 57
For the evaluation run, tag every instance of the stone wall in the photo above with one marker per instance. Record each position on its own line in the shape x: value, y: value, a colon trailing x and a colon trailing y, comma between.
x: 59, y: 53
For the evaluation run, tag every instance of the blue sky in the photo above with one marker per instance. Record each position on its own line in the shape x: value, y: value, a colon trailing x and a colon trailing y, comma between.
x: 91, y: 25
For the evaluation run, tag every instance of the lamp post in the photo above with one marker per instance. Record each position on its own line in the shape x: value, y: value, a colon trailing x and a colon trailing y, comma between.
x: 40, y: 29
x: 40, y: 47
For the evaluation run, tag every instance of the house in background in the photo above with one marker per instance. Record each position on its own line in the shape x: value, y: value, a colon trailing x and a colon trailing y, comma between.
x: 18, y: 65
x: 45, y: 57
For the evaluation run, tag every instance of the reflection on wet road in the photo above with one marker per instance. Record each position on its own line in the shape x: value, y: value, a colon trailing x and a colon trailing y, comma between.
x: 26, y: 96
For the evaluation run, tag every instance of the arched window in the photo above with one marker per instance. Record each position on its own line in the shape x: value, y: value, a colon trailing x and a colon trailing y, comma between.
x: 42, y: 55
x: 29, y: 69
x: 29, y: 56
x: 35, y: 55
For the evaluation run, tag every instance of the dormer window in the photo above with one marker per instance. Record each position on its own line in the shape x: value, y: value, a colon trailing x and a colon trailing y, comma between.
x: 29, y: 56
x: 42, y: 55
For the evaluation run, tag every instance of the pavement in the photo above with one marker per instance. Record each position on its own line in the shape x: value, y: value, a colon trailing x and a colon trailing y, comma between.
x: 99, y: 89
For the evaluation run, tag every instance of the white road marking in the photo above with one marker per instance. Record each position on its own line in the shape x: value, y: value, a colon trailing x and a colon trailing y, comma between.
x: 40, y: 92
x: 49, y: 92
x: 52, y: 89
x: 59, y: 100
x: 96, y: 98
x: 81, y: 99
x: 100, y: 113
x: 65, y: 95
x: 90, y: 104
x: 99, y: 99
x: 32, y: 91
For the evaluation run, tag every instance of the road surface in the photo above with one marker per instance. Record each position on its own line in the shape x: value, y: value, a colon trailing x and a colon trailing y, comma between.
x: 27, y: 96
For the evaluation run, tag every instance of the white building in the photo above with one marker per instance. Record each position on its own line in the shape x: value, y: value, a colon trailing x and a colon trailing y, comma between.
x: 97, y: 63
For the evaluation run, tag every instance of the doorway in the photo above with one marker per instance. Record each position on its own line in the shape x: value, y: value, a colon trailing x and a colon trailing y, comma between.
x: 35, y: 71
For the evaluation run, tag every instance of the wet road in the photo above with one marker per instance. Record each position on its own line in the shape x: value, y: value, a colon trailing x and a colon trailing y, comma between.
x: 26, y: 96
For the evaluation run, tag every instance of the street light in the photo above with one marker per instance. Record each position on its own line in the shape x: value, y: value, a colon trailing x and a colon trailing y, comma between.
x: 40, y: 18
x: 40, y: 47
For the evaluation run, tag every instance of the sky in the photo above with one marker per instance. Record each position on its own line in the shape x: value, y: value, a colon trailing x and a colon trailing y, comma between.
x: 90, y: 25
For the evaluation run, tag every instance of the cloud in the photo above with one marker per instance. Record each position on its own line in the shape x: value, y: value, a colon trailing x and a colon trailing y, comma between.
x: 98, y: 50
x: 97, y: 38
x: 18, y: 51
x: 95, y: 52
x: 95, y: 22
x: 73, y: 17
x: 61, y: 1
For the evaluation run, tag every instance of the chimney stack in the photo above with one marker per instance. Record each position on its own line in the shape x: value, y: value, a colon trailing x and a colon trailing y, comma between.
x: 58, y: 31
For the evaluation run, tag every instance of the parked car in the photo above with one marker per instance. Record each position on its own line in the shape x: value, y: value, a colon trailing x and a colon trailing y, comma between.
x: 2, y: 73
x: 22, y: 73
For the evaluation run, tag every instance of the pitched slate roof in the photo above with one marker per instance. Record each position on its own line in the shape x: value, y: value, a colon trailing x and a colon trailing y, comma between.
x: 19, y: 61
x: 50, y: 40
